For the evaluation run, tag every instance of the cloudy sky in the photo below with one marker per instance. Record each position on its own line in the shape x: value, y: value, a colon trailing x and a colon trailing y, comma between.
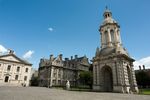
x: 35, y: 29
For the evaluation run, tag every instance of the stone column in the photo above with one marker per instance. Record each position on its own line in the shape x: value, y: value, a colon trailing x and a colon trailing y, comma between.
x: 116, y: 38
x: 102, y: 40
x: 109, y: 44
x: 119, y: 37
x: 51, y: 76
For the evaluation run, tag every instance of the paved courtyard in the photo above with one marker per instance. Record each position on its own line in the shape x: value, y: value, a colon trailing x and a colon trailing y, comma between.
x: 39, y: 93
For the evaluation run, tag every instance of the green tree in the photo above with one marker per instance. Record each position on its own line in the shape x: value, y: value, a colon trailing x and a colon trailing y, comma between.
x: 34, y: 81
x: 143, y: 79
x: 86, y: 78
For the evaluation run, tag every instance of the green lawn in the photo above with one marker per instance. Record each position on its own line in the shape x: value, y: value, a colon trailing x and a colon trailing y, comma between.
x: 145, y: 91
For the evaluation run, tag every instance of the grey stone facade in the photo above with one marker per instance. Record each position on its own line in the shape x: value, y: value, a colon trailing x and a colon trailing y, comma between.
x: 112, y: 66
x: 56, y: 71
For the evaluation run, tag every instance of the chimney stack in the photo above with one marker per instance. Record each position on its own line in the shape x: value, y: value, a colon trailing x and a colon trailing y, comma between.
x: 139, y: 67
x: 60, y: 56
x: 143, y: 67
x: 66, y: 59
x: 76, y: 56
x: 71, y: 57
x: 51, y: 57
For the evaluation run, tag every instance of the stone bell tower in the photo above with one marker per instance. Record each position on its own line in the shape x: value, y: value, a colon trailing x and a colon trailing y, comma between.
x: 112, y: 66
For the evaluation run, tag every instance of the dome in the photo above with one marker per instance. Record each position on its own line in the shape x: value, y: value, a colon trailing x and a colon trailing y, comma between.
x: 110, y: 50
x: 107, y: 51
x: 109, y: 20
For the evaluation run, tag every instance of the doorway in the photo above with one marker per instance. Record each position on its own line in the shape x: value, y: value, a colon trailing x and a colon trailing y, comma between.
x: 6, y: 79
x: 107, y: 79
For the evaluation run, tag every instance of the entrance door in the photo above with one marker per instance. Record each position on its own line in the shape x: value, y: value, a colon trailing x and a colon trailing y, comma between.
x: 6, y: 78
x: 107, y: 79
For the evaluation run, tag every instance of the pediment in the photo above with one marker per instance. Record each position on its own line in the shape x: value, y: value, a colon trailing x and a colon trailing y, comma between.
x: 10, y: 58
x: 57, y: 62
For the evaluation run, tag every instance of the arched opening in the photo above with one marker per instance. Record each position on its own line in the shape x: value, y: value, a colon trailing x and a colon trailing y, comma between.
x: 112, y: 36
x: 107, y: 82
x: 6, y: 78
x: 105, y: 37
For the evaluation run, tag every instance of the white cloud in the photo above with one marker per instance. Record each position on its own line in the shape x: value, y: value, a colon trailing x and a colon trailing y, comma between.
x: 28, y: 54
x: 144, y: 61
x: 2, y: 49
x: 50, y: 29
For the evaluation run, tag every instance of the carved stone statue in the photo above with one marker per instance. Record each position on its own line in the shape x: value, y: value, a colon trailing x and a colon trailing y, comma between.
x: 68, y: 85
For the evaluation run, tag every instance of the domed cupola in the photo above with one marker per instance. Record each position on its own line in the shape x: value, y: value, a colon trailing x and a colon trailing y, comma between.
x: 108, y: 18
x: 107, y: 13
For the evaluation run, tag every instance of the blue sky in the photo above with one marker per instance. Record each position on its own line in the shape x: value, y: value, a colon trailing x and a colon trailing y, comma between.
x: 69, y: 27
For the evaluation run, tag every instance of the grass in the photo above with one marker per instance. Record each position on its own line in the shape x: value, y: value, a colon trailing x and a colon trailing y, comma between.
x: 145, y: 91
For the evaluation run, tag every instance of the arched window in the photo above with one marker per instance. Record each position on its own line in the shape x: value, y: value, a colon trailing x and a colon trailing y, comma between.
x: 112, y: 36
x: 108, y: 15
x: 105, y: 37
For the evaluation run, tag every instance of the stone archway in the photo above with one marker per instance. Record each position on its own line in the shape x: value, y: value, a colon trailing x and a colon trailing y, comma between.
x: 107, y: 78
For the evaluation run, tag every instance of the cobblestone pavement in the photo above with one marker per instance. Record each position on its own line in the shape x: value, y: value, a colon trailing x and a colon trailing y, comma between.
x: 40, y: 93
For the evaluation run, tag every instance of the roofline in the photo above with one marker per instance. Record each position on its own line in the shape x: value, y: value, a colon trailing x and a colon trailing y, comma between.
x: 15, y: 62
x: 26, y: 63
x: 127, y: 57
x: 101, y: 26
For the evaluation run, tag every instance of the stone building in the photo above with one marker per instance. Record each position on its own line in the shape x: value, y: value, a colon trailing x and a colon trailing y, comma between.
x: 73, y: 67
x: 14, y: 71
x: 112, y: 65
x: 51, y: 71
x: 56, y: 71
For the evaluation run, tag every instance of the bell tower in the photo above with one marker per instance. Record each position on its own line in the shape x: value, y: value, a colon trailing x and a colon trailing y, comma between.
x: 110, y: 31
x: 112, y: 66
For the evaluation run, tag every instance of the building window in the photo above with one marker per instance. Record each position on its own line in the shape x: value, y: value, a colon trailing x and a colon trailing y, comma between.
x: 18, y: 69
x: 59, y: 82
x: 59, y: 75
x: 16, y: 77
x: 25, y: 78
x: 54, y: 82
x: 55, y: 75
x: 72, y: 65
x: 26, y: 70
x: 8, y: 68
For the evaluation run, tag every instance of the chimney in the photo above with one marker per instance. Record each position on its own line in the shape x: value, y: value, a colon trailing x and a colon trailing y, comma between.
x: 143, y: 67
x: 41, y: 60
x: 71, y: 57
x: 66, y: 59
x: 139, y: 67
x: 60, y: 56
x: 51, y: 57
x: 76, y: 56
x: 11, y: 51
